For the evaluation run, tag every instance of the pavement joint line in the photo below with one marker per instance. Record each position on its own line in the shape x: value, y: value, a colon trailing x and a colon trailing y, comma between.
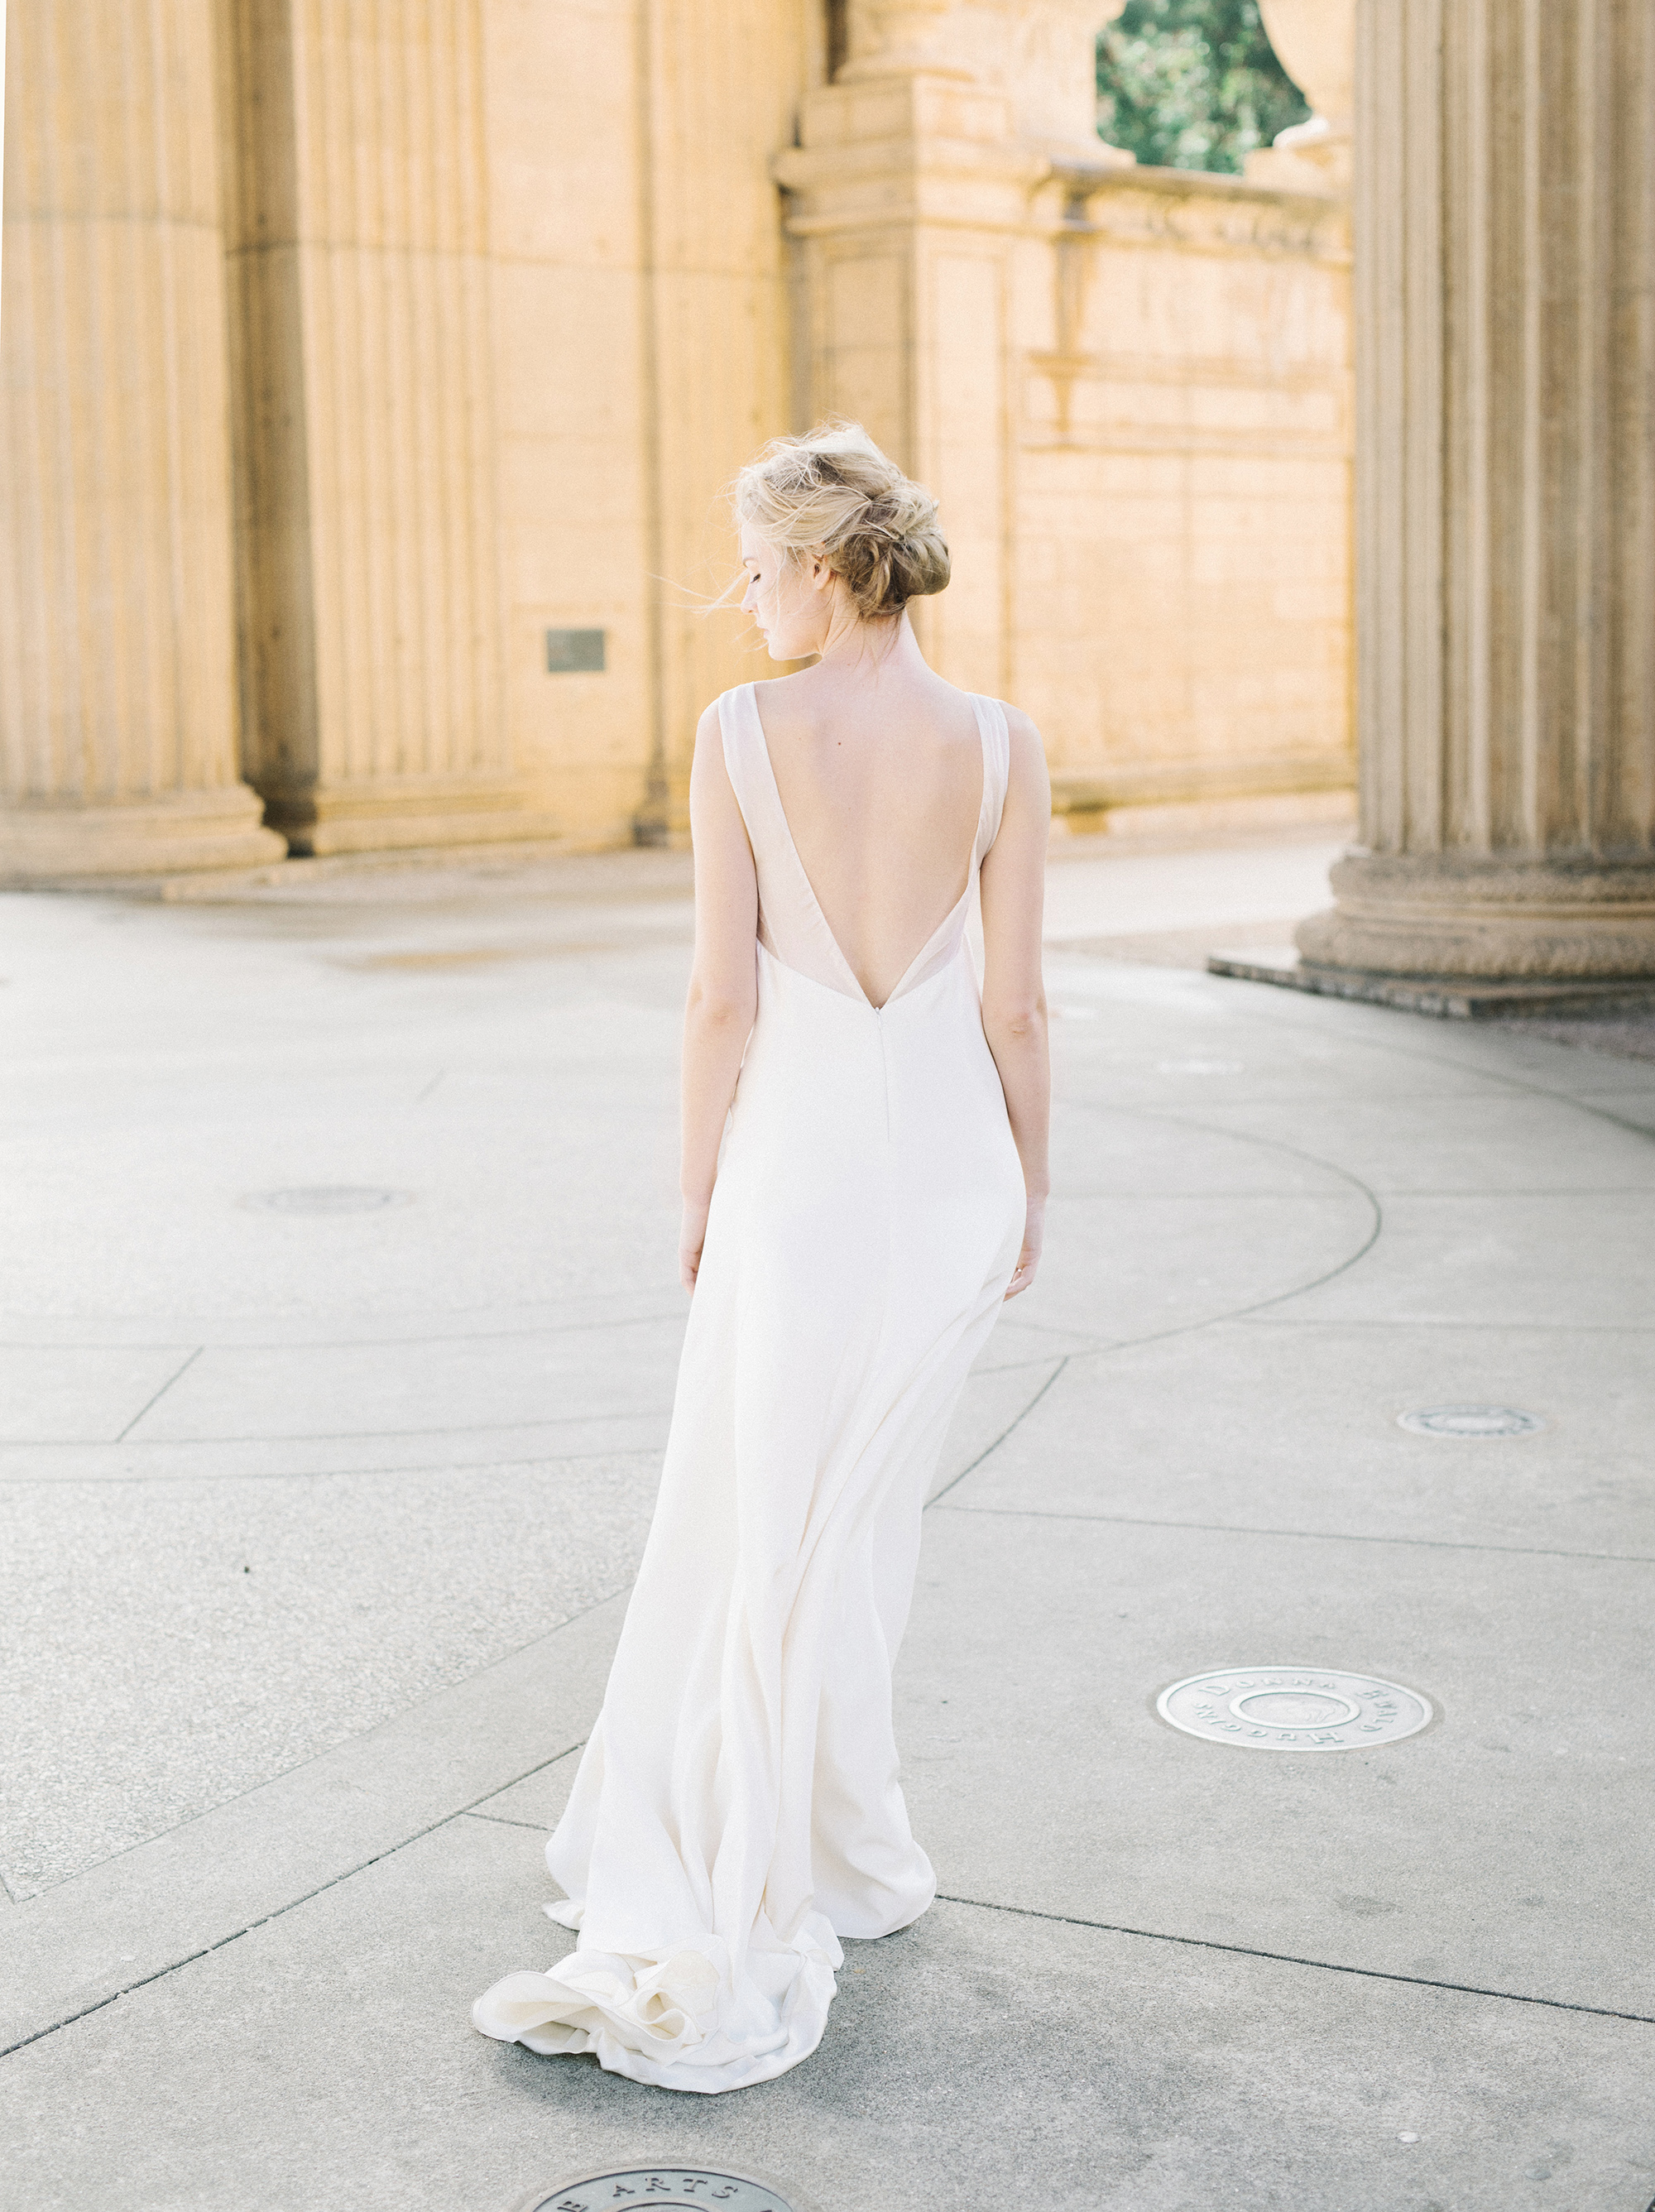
x: 1264, y: 1195
x: 333, y: 1343
x: 292, y: 1904
x: 1264, y: 1103
x: 328, y: 1750
x: 1292, y: 1958
x: 327, y: 1436
x: 159, y: 1395
x: 1510, y: 1197
x: 96, y: 1344
x: 329, y: 1474
x: 1001, y: 1438
x: 1020, y: 1366
x: 500, y: 1820
x: 1433, y: 1322
x: 1310, y: 1535
x: 1045, y: 1328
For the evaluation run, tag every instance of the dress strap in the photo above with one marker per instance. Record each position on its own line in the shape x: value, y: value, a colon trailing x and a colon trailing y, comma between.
x: 996, y: 736
x: 748, y: 765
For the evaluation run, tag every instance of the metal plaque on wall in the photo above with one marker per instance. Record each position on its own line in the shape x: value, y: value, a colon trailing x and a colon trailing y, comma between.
x: 575, y: 652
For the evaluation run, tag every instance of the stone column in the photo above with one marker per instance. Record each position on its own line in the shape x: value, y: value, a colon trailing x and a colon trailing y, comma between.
x: 118, y: 725
x: 908, y: 195
x: 1505, y: 349
x: 369, y: 584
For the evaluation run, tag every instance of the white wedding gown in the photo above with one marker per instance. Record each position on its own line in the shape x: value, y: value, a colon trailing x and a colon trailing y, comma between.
x: 736, y: 1810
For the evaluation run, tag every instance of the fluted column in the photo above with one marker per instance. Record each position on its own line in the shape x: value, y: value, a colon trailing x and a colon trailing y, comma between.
x: 1505, y: 278
x: 370, y: 594
x: 118, y: 724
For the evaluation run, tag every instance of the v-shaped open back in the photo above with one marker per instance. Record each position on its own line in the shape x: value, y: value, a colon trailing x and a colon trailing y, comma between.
x: 792, y: 926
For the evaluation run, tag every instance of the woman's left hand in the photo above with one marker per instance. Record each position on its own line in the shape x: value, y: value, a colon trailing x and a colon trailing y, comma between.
x: 692, y: 1235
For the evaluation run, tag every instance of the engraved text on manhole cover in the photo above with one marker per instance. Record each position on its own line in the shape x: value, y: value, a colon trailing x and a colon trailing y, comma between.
x: 1471, y: 1421
x: 660, y: 2184
x: 329, y: 1198
x: 1293, y: 1709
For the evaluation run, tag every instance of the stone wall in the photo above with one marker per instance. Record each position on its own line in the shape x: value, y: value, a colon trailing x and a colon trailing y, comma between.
x: 1180, y: 519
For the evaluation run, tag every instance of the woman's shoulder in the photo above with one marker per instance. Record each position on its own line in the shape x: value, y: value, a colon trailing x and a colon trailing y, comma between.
x: 1021, y: 726
x: 725, y: 698
x: 1026, y: 746
x: 714, y: 715
x: 1028, y: 780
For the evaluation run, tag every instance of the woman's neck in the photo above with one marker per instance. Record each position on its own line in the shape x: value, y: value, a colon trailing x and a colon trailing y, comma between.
x: 858, y: 652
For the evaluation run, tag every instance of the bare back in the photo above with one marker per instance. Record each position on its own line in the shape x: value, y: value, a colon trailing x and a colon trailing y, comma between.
x: 881, y: 782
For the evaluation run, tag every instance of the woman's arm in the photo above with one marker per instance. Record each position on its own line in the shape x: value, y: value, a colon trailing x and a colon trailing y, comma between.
x: 723, y: 982
x: 1014, y: 994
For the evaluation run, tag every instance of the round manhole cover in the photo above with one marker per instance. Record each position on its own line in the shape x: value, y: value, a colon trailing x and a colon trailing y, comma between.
x: 329, y: 1198
x: 1293, y: 1709
x: 1471, y: 1421
x: 660, y: 2185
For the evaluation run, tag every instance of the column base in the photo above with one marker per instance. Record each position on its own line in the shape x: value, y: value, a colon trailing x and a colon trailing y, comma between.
x: 1464, y: 919
x: 1445, y: 999
x: 180, y: 835
x: 320, y: 820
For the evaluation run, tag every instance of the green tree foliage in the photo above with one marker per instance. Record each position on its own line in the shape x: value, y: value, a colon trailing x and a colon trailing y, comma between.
x: 1192, y: 84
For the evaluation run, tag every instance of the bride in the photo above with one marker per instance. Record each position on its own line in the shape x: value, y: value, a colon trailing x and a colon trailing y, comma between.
x: 864, y: 1178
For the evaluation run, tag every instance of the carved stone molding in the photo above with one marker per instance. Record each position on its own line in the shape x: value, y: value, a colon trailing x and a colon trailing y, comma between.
x: 1208, y: 213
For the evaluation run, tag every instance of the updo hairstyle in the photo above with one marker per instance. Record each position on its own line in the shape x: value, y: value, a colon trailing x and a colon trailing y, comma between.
x: 834, y: 489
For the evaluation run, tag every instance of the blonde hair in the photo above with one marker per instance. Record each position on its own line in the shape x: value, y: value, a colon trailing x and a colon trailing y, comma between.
x: 833, y: 489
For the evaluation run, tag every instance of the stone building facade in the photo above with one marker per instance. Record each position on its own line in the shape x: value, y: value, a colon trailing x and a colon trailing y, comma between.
x: 373, y: 374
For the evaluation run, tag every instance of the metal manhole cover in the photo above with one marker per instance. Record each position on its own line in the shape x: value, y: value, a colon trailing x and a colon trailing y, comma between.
x: 660, y: 2185
x: 1293, y: 1709
x: 1471, y: 1421
x: 329, y: 1198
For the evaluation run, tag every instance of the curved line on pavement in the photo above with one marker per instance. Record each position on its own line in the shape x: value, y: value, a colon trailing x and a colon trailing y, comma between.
x: 1524, y: 1085
x: 988, y: 1449
x: 1267, y: 1144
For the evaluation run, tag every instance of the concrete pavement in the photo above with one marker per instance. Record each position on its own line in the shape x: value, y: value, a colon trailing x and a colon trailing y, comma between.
x: 340, y: 1326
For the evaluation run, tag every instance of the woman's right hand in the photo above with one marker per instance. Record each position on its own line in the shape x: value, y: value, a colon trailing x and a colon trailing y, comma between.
x: 1034, y: 1233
